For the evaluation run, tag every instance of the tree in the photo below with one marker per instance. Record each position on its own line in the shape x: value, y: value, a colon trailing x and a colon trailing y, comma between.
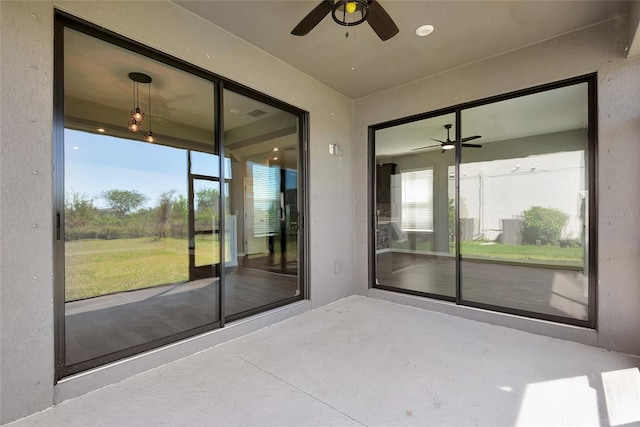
x: 123, y: 201
x: 180, y: 209
x: 165, y: 203
x: 544, y: 225
x: 207, y: 200
x: 79, y: 209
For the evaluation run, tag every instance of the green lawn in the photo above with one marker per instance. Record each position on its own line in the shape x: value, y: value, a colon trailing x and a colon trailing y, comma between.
x: 550, y: 254
x: 98, y: 267
x: 523, y: 252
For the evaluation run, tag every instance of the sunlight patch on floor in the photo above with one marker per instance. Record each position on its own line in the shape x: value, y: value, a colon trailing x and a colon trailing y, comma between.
x: 567, y: 401
x: 622, y: 392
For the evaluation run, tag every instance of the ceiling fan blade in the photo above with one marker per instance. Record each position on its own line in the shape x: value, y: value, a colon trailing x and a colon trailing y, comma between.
x: 441, y: 142
x: 470, y: 138
x: 381, y: 22
x: 422, y: 148
x: 313, y: 18
x: 472, y: 145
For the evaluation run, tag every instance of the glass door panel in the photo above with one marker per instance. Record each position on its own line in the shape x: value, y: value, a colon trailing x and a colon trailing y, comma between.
x: 415, y: 210
x: 262, y: 195
x: 125, y: 224
x: 523, y: 196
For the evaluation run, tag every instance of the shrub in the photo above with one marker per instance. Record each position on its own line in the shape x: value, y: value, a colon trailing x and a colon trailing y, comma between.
x: 544, y: 225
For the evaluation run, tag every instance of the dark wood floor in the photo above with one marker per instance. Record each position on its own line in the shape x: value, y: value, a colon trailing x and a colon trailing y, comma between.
x: 106, y: 324
x: 555, y: 291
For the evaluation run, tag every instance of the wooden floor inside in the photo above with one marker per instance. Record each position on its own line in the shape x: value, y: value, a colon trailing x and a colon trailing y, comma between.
x: 540, y: 289
x: 106, y: 324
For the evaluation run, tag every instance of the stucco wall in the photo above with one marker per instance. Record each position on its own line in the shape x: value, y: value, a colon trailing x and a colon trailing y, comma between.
x: 595, y: 49
x: 26, y: 214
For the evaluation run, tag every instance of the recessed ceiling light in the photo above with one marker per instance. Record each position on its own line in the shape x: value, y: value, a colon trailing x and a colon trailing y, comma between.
x: 101, y: 130
x: 275, y: 149
x: 424, y: 30
x: 275, y: 158
x: 234, y: 111
x: 353, y: 68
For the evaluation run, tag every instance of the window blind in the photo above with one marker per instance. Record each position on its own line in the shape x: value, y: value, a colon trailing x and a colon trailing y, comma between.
x: 417, y: 200
x: 266, y: 200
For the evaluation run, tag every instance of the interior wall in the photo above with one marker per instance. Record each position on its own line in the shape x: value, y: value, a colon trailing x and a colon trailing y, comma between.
x: 600, y: 49
x: 26, y: 169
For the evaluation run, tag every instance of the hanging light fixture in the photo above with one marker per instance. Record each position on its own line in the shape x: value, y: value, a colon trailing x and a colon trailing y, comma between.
x: 149, y: 136
x: 137, y: 116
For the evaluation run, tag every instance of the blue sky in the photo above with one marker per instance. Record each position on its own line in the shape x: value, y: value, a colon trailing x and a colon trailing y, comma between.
x: 95, y: 163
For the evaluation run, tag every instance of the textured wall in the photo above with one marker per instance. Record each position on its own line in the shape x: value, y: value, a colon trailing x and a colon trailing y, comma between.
x: 26, y: 262
x: 596, y: 49
x: 26, y: 259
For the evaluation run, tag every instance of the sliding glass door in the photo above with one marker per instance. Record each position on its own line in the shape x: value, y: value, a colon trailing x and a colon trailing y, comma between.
x: 415, y: 239
x: 261, y: 143
x: 526, y: 193
x: 139, y: 231
x: 178, y: 203
x: 499, y: 216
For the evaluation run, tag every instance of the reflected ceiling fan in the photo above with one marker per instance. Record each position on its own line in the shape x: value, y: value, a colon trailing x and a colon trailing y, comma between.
x: 349, y: 13
x: 449, y: 144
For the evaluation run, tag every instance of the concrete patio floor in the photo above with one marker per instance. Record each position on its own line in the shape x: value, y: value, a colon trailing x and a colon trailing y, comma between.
x: 362, y: 361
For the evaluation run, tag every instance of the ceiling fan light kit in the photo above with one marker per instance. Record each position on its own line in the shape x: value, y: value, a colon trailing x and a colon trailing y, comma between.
x: 345, y: 13
x: 342, y: 9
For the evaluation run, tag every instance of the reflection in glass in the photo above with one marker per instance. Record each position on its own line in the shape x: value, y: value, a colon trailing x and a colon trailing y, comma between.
x: 415, y: 238
x: 128, y: 269
x: 206, y: 215
x: 523, y: 199
x: 261, y: 143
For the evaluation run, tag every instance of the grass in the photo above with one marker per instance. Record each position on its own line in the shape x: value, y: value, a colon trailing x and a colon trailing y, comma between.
x: 99, y: 267
x: 523, y: 252
x: 550, y: 254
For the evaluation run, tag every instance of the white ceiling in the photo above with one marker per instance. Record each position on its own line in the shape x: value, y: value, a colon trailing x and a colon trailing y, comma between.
x: 465, y: 32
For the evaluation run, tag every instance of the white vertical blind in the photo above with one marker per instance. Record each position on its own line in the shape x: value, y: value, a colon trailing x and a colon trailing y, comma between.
x: 266, y: 200
x: 417, y: 200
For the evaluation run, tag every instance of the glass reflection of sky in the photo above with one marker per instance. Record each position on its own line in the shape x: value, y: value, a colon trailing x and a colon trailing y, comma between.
x: 95, y: 163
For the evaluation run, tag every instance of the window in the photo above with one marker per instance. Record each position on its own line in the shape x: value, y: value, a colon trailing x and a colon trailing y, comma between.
x: 266, y: 200
x: 417, y: 200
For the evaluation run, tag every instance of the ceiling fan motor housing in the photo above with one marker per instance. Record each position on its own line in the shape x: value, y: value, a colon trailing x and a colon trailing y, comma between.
x: 339, y: 13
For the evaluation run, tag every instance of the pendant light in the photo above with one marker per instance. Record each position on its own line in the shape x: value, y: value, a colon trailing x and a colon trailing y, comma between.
x: 137, y: 116
x: 149, y: 136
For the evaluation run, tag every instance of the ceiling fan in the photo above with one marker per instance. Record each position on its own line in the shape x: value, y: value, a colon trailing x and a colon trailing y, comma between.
x: 349, y: 13
x: 449, y: 144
